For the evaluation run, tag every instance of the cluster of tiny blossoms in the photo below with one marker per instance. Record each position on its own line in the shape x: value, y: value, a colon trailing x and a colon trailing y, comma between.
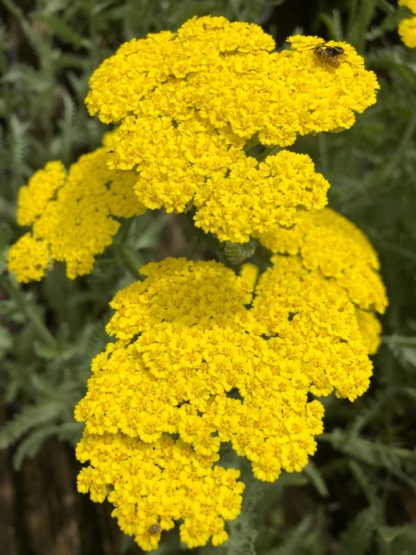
x: 203, y: 358
x: 407, y: 27
x: 71, y: 215
x: 189, y: 106
x: 328, y: 243
x: 207, y: 357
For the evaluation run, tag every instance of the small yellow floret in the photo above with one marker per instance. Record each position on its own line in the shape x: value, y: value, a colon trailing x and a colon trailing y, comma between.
x: 40, y: 190
x: 208, y: 357
x: 152, y: 485
x: 205, y: 93
x: 249, y: 273
x: 28, y: 258
x: 407, y: 27
x: 328, y: 242
x: 312, y: 322
x: 72, y: 216
x: 407, y: 31
x: 411, y: 4
x: 370, y: 328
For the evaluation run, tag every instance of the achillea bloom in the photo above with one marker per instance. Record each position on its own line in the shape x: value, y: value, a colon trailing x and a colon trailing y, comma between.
x: 202, y: 357
x: 153, y: 484
x: 29, y: 258
x: 188, y: 103
x: 328, y: 243
x: 71, y: 215
x: 407, y: 27
x: 311, y: 322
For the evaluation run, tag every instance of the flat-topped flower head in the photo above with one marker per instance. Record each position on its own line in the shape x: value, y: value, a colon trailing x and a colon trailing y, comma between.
x: 311, y: 321
x: 330, y: 244
x: 204, y: 357
x: 407, y: 27
x: 71, y: 215
x: 188, y: 104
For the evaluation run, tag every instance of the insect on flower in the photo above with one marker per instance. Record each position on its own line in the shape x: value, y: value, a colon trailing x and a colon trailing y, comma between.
x: 154, y: 529
x: 330, y: 55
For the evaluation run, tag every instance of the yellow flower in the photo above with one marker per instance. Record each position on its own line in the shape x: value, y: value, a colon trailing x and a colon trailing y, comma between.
x: 411, y: 4
x: 407, y: 31
x: 206, y: 357
x: 311, y: 322
x: 370, y: 329
x: 42, y: 188
x: 152, y: 485
x: 328, y: 242
x: 249, y: 273
x: 28, y: 258
x: 72, y: 215
x: 407, y: 27
x: 255, y: 196
x: 189, y: 104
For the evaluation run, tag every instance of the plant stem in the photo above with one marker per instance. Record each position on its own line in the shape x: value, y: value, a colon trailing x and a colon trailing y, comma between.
x: 323, y: 152
x: 131, y: 260
x: 404, y: 143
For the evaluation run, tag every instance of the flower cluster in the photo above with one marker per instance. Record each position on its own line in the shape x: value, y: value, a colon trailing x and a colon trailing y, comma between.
x: 207, y: 357
x: 331, y: 245
x: 203, y: 359
x: 328, y: 242
x: 71, y: 215
x: 407, y: 27
x: 153, y: 484
x: 189, y: 106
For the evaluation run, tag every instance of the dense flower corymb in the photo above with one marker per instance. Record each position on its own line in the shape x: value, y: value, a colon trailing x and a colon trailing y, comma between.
x: 201, y: 357
x: 71, y: 215
x: 328, y: 243
x: 153, y: 484
x: 407, y: 27
x: 208, y: 92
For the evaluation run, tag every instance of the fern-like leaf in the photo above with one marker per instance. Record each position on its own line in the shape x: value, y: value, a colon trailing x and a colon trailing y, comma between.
x: 294, y: 543
x: 30, y: 417
x: 357, y: 537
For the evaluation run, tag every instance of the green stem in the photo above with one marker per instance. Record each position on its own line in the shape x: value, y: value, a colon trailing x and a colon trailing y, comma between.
x: 352, y: 16
x: 398, y: 340
x: 16, y: 294
x: 131, y: 260
x: 397, y: 249
x: 365, y: 15
x: 378, y: 179
x: 323, y: 152
x: 269, y: 151
x: 125, y: 232
x: 404, y: 143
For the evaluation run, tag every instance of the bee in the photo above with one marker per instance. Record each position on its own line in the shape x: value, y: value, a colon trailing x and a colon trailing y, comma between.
x: 330, y: 55
x: 154, y: 529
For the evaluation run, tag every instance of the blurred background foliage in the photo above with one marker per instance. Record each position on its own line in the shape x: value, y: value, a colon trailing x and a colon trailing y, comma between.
x: 358, y: 495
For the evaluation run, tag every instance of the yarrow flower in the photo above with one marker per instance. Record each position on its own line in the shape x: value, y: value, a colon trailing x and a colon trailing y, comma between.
x: 328, y: 243
x: 203, y: 357
x: 71, y: 215
x: 189, y: 105
x: 407, y: 27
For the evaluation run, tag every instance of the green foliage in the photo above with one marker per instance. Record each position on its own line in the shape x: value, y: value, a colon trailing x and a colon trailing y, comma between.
x: 354, y: 497
x: 357, y: 537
